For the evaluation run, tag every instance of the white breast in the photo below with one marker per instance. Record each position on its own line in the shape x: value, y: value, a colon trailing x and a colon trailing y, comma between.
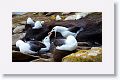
x: 70, y: 44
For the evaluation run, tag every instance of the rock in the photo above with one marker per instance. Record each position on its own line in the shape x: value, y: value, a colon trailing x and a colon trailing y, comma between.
x: 20, y: 57
x: 22, y: 35
x: 43, y: 60
x: 83, y: 48
x: 59, y: 54
x: 71, y: 17
x: 15, y: 48
x: 16, y: 37
x: 43, y: 55
x: 19, y: 29
x: 35, y: 13
x: 22, y: 23
x: 14, y: 26
x: 65, y: 13
x: 50, y: 13
x: 83, y: 44
x: 92, y: 55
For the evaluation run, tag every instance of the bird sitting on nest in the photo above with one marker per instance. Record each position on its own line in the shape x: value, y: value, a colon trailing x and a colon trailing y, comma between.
x: 67, y: 31
x: 32, y: 47
x: 68, y: 44
x: 37, y: 32
x: 31, y: 24
x: 64, y: 47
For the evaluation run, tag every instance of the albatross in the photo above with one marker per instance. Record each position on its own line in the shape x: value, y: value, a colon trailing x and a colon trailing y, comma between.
x: 32, y: 47
x: 68, y: 44
x: 65, y: 32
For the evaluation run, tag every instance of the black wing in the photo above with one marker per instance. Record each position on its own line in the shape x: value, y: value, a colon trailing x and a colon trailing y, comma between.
x: 36, y: 46
x: 74, y: 29
x: 59, y: 42
x: 38, y: 43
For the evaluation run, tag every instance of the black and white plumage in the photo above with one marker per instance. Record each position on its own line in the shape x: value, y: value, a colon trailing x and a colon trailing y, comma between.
x: 46, y: 42
x: 68, y: 44
x: 37, y: 25
x: 67, y: 31
x: 29, y: 23
x: 32, y: 47
x: 36, y: 34
x: 29, y: 47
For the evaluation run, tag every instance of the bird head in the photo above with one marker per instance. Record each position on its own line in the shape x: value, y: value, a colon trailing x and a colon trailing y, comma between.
x: 59, y: 29
x: 30, y: 21
x: 46, y: 39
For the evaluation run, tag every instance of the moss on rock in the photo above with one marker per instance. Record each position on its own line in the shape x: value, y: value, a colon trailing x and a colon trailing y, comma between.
x: 92, y: 55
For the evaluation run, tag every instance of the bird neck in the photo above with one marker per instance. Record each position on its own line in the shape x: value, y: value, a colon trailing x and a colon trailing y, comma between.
x: 62, y: 29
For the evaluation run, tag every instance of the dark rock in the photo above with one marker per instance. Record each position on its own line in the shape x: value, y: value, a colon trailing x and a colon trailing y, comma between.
x: 20, y: 57
x: 15, y: 48
x: 43, y: 60
x: 59, y: 54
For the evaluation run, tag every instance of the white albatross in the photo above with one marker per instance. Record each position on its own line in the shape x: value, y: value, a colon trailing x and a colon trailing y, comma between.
x: 70, y: 44
x: 46, y: 42
x: 32, y: 47
x: 67, y: 31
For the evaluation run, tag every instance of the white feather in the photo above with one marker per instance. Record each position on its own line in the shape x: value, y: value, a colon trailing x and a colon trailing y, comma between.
x: 30, y: 21
x: 38, y: 25
x: 70, y: 44
x: 24, y: 47
x: 63, y: 30
x: 46, y: 42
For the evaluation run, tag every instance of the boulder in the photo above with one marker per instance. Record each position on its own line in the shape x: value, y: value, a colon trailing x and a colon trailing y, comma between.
x: 20, y: 57
x: 92, y: 55
x: 59, y: 54
x: 19, y: 29
x: 43, y: 60
x: 16, y: 37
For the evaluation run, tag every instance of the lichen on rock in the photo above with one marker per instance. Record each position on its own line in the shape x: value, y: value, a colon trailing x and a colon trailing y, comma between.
x: 92, y: 55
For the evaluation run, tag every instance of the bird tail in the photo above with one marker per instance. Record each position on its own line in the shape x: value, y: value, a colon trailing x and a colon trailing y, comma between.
x: 81, y: 29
